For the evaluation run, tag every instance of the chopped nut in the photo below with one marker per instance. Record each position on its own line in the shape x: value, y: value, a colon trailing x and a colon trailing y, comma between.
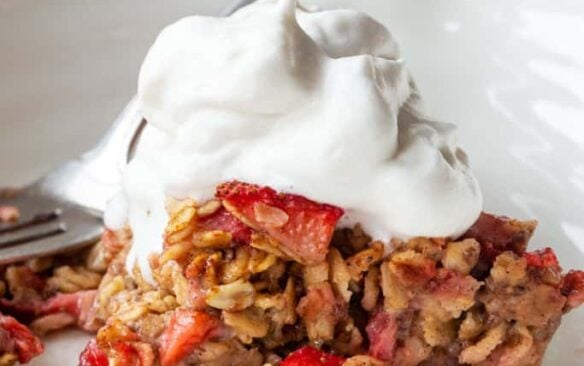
x: 234, y: 296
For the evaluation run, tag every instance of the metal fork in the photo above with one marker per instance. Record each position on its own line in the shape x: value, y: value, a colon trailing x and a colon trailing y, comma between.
x: 63, y: 210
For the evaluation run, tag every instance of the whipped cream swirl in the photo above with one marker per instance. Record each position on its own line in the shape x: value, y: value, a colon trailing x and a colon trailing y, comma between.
x: 314, y: 103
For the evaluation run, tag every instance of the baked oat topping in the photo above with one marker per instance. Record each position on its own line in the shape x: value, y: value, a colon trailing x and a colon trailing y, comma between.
x: 227, y: 293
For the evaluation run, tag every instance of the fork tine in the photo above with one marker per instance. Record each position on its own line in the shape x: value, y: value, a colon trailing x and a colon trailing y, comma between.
x: 48, y: 245
x: 32, y: 233
x: 35, y: 220
x: 47, y: 226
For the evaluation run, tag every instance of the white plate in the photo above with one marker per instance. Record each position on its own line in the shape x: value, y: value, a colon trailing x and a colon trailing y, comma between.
x: 510, y: 73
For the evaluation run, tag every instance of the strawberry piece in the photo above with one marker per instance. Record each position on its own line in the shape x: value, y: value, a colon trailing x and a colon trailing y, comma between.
x: 382, y: 332
x: 573, y: 288
x: 92, y: 355
x: 308, y: 356
x: 223, y: 220
x: 68, y: 303
x: 304, y: 228
x: 497, y: 234
x: 125, y: 354
x: 17, y: 338
x: 186, y: 330
x: 544, y: 258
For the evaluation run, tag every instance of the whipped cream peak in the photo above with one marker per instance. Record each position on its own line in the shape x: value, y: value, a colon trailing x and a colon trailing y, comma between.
x: 313, y: 103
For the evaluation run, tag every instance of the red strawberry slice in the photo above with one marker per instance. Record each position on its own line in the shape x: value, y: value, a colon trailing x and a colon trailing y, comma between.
x: 304, y: 228
x: 573, y: 288
x: 223, y: 220
x: 92, y: 355
x: 544, y: 258
x: 497, y: 234
x: 16, y: 338
x: 308, y: 356
x: 186, y: 329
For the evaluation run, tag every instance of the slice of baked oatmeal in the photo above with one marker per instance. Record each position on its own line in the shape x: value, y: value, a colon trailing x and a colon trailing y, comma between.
x: 257, y: 277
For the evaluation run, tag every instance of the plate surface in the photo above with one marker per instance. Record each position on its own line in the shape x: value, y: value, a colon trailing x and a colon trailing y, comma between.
x: 510, y: 74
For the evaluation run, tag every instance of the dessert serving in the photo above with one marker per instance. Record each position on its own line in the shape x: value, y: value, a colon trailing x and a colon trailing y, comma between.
x: 289, y: 203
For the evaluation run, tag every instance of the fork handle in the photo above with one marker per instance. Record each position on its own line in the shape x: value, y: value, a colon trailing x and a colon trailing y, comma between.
x: 93, y: 178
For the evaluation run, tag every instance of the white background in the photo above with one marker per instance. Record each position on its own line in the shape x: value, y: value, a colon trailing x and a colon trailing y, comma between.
x: 510, y: 73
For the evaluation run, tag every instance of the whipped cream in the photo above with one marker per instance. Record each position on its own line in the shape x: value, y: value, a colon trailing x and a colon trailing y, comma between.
x: 314, y: 103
